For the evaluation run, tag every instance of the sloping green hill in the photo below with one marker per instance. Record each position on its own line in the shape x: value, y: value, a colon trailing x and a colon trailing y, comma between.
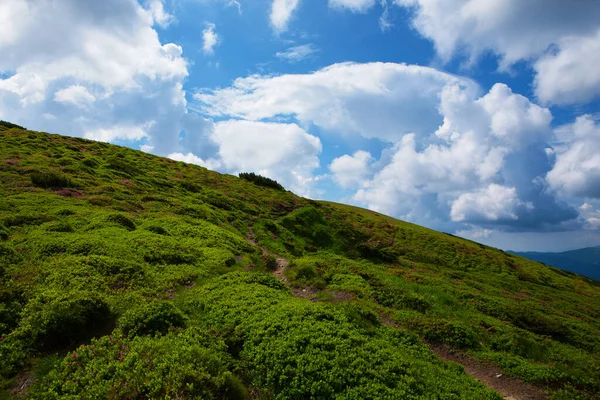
x: 125, y: 275
x: 581, y: 261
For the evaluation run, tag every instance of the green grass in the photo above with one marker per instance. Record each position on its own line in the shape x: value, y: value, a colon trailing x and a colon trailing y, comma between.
x: 125, y: 275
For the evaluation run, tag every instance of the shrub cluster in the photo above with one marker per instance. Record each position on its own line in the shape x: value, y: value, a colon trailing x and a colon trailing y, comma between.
x: 9, y: 125
x: 50, y: 179
x: 260, y: 180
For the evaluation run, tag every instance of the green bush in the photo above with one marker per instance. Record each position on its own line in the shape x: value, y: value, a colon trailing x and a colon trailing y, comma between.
x: 4, y: 232
x: 271, y: 263
x: 154, y: 318
x: 56, y: 320
x: 159, y: 230
x: 122, y: 220
x: 9, y: 125
x: 297, y: 349
x: 91, y: 162
x: 65, y: 212
x: 188, y: 364
x: 8, y: 255
x: 26, y: 218
x: 190, y: 186
x: 60, y: 226
x: 260, y: 180
x: 454, y: 333
x: 50, y: 179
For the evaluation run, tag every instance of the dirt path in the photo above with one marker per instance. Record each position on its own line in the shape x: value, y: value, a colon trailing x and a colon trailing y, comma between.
x: 488, y: 374
x: 491, y: 376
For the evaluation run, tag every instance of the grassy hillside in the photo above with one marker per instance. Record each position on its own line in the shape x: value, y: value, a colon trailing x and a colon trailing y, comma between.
x: 125, y: 275
x: 581, y: 261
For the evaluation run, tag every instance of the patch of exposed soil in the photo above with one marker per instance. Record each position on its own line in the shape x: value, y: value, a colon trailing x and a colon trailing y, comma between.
x: 491, y: 376
x: 309, y: 293
x: 22, y: 383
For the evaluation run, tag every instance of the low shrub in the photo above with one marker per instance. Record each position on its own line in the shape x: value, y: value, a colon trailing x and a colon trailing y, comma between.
x: 152, y: 319
x: 50, y: 179
x: 91, y: 162
x: 159, y: 230
x: 188, y: 364
x: 60, y: 226
x: 56, y: 320
x: 190, y: 186
x: 26, y: 218
x: 10, y: 125
x: 8, y: 254
x: 65, y: 212
x: 260, y: 180
x: 122, y: 220
x: 453, y: 333
x: 271, y: 263
x: 4, y: 232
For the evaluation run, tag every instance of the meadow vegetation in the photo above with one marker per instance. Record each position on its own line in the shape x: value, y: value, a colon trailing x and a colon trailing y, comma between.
x: 126, y: 275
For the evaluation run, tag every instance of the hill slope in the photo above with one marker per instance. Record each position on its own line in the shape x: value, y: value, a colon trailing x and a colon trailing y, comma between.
x: 581, y: 261
x: 125, y: 275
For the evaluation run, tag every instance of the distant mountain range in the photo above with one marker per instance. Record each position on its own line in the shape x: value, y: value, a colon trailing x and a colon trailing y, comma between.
x: 582, y: 261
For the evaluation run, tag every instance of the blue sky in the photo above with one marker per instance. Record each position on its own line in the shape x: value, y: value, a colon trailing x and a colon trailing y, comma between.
x: 477, y: 118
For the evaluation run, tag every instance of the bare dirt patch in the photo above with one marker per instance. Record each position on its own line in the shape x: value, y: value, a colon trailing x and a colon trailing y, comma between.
x: 22, y: 383
x: 491, y: 376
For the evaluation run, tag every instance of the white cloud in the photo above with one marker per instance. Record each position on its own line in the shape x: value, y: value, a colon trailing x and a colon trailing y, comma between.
x: 76, y: 95
x: 191, y: 158
x: 520, y: 30
x: 576, y: 171
x: 158, y: 13
x: 107, y: 51
x: 466, y: 159
x: 351, y: 171
x: 493, y: 203
x: 281, y: 13
x: 445, y: 138
x: 210, y: 38
x: 117, y: 132
x: 284, y: 152
x: 297, y: 53
x: 382, y: 100
x: 571, y: 74
x: 590, y: 215
x: 360, y: 6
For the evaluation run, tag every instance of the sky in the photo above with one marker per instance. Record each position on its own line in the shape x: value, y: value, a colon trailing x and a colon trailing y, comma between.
x: 476, y: 118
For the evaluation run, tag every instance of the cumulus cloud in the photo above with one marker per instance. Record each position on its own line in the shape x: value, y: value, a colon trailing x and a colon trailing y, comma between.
x: 350, y: 171
x: 492, y: 146
x: 281, y: 13
x: 492, y: 203
x: 102, y: 52
x: 160, y: 16
x: 576, y: 171
x: 297, y: 53
x: 284, y: 152
x: 590, y: 215
x: 520, y: 30
x: 452, y: 152
x: 210, y: 38
x: 374, y: 100
x: 124, y: 132
x: 191, y: 158
x: 571, y: 73
x: 77, y: 95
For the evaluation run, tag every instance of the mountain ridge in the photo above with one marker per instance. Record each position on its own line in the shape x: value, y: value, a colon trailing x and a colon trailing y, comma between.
x: 584, y: 261
x: 114, y: 260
